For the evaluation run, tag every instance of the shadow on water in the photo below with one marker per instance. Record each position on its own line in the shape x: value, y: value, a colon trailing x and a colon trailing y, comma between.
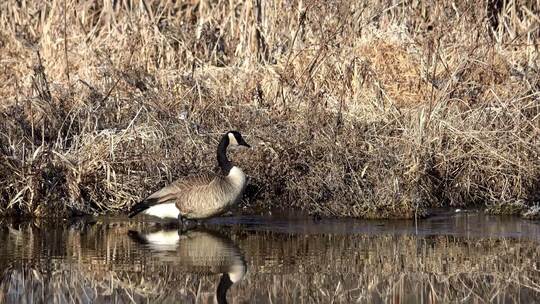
x: 446, y: 258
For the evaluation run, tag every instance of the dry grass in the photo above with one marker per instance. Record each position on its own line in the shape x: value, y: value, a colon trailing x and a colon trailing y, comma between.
x: 379, y: 109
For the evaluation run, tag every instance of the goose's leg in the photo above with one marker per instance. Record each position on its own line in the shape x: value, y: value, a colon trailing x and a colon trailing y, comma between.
x: 181, y: 220
x: 185, y: 223
x: 189, y: 224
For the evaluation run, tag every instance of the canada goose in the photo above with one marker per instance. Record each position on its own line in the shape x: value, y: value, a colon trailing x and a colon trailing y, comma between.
x: 202, y: 196
x: 198, y: 251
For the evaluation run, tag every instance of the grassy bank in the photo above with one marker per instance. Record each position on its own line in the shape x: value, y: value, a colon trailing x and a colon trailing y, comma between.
x: 375, y: 110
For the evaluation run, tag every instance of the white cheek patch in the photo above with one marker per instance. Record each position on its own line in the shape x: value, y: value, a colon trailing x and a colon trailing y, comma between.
x: 237, y: 272
x: 232, y: 140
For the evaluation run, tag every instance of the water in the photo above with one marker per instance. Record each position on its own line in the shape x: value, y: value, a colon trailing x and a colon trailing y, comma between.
x: 464, y: 257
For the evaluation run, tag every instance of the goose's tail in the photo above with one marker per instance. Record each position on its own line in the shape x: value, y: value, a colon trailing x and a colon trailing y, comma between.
x: 155, y: 207
x: 141, y: 206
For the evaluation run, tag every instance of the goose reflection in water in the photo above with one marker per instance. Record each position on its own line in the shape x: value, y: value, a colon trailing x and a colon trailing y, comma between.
x: 199, y: 251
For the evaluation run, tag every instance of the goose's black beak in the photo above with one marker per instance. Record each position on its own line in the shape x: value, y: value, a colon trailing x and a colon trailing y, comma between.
x: 244, y: 143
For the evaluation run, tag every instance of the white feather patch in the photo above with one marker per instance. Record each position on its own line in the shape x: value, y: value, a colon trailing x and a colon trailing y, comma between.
x: 167, y: 210
x: 163, y: 237
x: 237, y: 176
x: 237, y: 272
x: 232, y: 140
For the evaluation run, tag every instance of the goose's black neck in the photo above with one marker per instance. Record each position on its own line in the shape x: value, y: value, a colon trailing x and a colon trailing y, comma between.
x: 224, y: 164
x: 224, y: 284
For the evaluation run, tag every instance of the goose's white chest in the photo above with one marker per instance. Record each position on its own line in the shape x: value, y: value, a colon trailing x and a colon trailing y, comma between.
x: 237, y: 177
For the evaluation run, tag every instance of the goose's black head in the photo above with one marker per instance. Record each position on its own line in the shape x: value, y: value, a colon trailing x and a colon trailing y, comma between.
x: 236, y: 139
x: 232, y: 139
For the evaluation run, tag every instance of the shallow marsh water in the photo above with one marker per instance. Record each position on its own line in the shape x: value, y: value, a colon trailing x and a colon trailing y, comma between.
x: 449, y: 257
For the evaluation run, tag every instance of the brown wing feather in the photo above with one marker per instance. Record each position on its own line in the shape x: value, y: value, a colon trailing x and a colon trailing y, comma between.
x: 181, y: 187
x: 178, y: 191
x: 203, y: 198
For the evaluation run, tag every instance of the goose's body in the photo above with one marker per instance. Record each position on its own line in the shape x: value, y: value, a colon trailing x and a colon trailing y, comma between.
x: 201, y: 196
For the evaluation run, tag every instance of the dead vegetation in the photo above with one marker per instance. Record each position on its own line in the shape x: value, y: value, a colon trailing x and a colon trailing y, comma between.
x: 379, y: 109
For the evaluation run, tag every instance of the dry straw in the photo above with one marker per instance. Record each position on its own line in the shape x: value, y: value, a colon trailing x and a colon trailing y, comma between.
x: 378, y: 109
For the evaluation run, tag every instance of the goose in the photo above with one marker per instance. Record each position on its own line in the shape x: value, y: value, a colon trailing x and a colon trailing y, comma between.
x: 201, y: 251
x: 202, y: 196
